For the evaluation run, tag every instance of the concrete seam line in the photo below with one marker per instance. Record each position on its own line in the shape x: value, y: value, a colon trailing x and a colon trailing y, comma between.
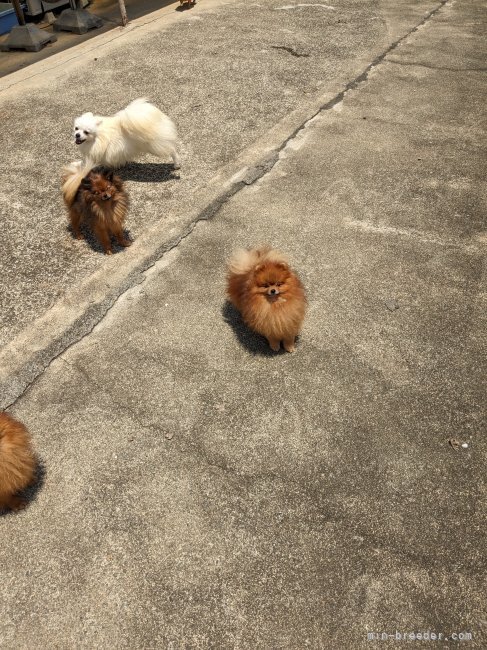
x: 18, y: 381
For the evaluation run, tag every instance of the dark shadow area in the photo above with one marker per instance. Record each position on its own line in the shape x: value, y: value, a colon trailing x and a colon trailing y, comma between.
x: 251, y: 341
x: 148, y: 172
x: 94, y: 244
x: 30, y: 493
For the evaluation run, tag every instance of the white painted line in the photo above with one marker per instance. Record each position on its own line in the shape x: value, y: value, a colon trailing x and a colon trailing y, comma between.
x: 288, y: 7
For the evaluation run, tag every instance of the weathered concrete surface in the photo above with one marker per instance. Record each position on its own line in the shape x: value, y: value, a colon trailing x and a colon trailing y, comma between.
x: 200, y: 492
x: 107, y: 10
x: 236, y: 96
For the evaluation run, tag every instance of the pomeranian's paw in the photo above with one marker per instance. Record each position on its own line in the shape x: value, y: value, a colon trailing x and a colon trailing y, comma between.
x: 13, y: 503
x: 274, y: 344
x: 289, y: 344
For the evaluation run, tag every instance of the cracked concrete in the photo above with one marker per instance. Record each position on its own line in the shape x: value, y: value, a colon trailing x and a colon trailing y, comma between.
x: 73, y: 291
x: 202, y: 492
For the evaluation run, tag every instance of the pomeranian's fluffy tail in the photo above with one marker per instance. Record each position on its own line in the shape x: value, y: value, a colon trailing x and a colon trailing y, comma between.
x: 144, y: 121
x: 244, y: 260
x: 71, y: 177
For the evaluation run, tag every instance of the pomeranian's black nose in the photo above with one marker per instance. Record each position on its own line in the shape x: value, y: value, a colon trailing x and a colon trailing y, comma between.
x: 105, y: 197
x: 273, y: 292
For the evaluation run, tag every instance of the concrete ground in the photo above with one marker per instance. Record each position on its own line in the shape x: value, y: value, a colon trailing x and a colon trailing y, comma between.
x: 236, y: 94
x: 196, y: 490
x: 107, y: 10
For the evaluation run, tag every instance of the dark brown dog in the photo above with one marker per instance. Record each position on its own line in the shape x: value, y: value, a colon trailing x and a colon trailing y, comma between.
x: 100, y: 201
x: 17, y: 462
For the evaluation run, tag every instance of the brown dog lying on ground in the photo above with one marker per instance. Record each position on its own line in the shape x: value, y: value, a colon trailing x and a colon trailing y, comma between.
x: 17, y: 462
x: 98, y: 199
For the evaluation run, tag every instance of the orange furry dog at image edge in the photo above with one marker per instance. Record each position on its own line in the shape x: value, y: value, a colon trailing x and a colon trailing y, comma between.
x: 17, y: 462
x: 97, y: 198
x: 268, y: 294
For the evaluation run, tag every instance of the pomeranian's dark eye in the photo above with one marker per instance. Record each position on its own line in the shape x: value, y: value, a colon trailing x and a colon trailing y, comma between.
x: 279, y: 284
x: 85, y: 132
x: 76, y: 128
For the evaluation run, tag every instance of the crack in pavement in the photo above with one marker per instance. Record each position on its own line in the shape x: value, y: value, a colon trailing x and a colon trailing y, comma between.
x: 250, y: 176
x: 291, y: 50
x: 194, y: 450
x: 314, y: 502
x: 293, y: 486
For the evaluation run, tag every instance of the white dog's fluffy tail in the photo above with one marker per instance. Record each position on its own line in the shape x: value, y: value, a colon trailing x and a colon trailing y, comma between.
x: 144, y: 122
x: 71, y: 177
x: 244, y: 260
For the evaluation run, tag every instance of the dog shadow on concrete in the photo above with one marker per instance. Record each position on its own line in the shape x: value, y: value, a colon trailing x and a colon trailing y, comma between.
x: 251, y: 341
x: 30, y: 493
x: 149, y: 172
x: 186, y: 5
x: 94, y: 244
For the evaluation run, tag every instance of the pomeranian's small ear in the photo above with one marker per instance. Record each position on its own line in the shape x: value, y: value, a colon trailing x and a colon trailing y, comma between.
x: 98, y: 121
x: 282, y: 265
x: 258, y: 268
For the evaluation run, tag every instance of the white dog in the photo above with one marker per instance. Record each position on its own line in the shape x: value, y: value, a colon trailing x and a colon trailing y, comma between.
x: 114, y: 141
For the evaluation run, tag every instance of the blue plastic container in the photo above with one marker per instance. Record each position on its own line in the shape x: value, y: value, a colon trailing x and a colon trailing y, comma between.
x: 8, y: 17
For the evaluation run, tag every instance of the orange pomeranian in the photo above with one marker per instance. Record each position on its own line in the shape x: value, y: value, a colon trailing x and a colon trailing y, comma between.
x: 17, y: 463
x: 268, y: 294
x: 98, y: 198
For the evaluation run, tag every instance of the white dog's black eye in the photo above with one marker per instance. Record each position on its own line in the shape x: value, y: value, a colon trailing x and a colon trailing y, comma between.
x: 76, y: 128
x: 85, y: 132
